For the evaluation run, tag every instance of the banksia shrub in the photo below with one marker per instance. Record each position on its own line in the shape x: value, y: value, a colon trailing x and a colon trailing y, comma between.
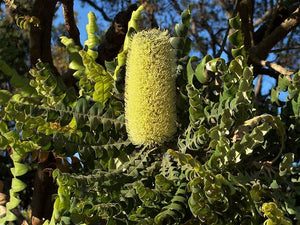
x: 150, y: 109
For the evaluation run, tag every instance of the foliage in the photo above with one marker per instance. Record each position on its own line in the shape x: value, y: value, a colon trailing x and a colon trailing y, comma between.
x: 226, y: 165
x: 8, y: 43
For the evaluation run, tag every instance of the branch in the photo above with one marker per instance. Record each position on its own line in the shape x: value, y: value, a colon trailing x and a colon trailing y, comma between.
x: 279, y: 33
x: 269, y: 72
x: 263, y: 18
x: 115, y: 35
x: 70, y: 20
x: 40, y: 37
x: 104, y: 15
x: 176, y: 6
x: 228, y: 6
x: 213, y: 40
x: 285, y: 49
x: 245, y: 9
x: 223, y: 42
x: 258, y: 86
x: 278, y: 68
x: 153, y: 21
x: 202, y: 46
x: 44, y: 188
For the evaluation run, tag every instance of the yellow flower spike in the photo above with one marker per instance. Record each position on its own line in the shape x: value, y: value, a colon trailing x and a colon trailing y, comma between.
x: 150, y: 93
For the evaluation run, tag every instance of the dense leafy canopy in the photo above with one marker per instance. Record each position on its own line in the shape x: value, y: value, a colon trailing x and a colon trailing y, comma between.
x: 230, y: 162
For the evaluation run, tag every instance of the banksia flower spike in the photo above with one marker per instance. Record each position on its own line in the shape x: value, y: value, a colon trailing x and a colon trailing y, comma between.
x: 150, y: 93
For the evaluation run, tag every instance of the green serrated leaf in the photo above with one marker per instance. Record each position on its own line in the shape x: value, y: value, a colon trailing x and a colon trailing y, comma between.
x: 10, y: 216
x: 111, y: 66
x: 4, y: 97
x: 187, y: 46
x: 177, y: 42
x: 236, y: 38
x: 95, y: 110
x: 18, y: 154
x: 3, y: 127
x: 283, y: 82
x: 20, y: 169
x: 102, y: 90
x: 17, y: 185
x: 66, y: 220
x: 65, y: 115
x: 181, y: 30
x: 235, y: 66
x: 235, y: 22
x: 80, y: 111
x: 186, y: 17
x: 239, y: 51
x: 215, y: 65
x: 12, y: 136
x: 190, y: 71
x: 3, y: 142
x: 274, y: 95
x: 56, y: 173
x: 200, y: 71
x: 13, y: 203
x: 286, y: 164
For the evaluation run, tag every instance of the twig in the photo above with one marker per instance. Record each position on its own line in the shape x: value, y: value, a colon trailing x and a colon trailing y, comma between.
x: 279, y: 33
x: 262, y: 19
x: 70, y: 20
x: 274, y: 13
x: 223, y: 42
x: 222, y: 47
x: 210, y: 31
x: 258, y: 85
x: 176, y: 6
x: 285, y: 49
x: 269, y: 72
x: 104, y: 15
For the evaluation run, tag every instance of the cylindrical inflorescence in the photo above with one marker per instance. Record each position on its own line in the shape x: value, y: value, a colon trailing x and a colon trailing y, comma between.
x: 150, y: 94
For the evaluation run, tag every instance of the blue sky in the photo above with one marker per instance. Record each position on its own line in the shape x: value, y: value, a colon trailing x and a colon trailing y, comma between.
x: 82, y: 18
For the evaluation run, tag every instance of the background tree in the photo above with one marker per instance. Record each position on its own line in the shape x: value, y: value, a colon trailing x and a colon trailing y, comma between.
x: 266, y: 35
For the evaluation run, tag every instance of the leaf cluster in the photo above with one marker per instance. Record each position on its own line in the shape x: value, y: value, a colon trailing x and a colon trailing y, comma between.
x: 227, y: 164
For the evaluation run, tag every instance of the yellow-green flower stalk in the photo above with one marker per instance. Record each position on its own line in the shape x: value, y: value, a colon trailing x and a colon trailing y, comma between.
x: 150, y: 106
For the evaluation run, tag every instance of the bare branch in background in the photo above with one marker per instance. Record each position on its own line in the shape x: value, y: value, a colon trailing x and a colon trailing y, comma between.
x: 278, y: 68
x: 263, y: 18
x: 279, y: 15
x: 70, y: 20
x: 269, y: 72
x: 222, y: 47
x: 176, y: 6
x: 104, y: 15
x: 151, y: 9
x: 152, y: 18
x: 263, y: 48
x: 115, y: 35
x: 228, y: 6
x: 258, y: 85
x: 285, y: 49
x: 214, y: 41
